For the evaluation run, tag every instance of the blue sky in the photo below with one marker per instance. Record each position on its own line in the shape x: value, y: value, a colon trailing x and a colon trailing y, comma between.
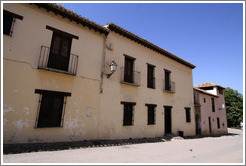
x: 208, y: 35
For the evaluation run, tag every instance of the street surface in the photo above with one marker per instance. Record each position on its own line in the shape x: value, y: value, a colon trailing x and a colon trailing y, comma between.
x: 224, y: 149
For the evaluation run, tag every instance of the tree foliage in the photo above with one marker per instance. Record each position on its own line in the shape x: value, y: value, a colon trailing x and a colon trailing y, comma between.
x: 234, y: 107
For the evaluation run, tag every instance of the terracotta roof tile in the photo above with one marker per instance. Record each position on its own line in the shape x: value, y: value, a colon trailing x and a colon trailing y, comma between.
x: 58, y: 9
x: 207, y: 84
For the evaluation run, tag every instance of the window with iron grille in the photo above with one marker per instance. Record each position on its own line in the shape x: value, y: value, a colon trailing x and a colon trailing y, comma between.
x: 59, y: 56
x: 51, y: 108
x: 59, y: 52
x: 128, y: 69
x: 187, y: 113
x: 150, y: 76
x: 128, y: 118
x: 167, y: 80
x: 8, y: 22
x: 151, y: 113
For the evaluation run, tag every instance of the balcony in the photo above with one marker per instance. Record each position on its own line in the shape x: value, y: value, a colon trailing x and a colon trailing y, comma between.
x: 169, y: 86
x: 62, y: 62
x: 130, y: 77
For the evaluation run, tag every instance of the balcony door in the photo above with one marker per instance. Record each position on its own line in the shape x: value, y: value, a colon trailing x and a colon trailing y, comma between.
x: 168, y: 119
x: 59, y: 51
x: 128, y: 70
x: 167, y: 80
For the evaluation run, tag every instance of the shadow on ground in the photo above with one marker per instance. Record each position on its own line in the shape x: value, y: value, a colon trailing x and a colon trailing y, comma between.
x: 207, y: 136
x: 35, y: 147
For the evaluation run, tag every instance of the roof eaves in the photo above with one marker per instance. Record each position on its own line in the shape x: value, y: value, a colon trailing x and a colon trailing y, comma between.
x: 65, y: 13
x: 208, y: 84
x: 127, y: 34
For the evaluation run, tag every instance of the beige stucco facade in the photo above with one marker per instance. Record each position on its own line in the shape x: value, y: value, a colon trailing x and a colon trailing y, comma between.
x: 114, y: 92
x: 218, y: 122
x: 94, y: 109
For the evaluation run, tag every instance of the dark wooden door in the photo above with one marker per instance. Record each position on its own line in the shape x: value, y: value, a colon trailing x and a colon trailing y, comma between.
x: 60, y: 52
x: 168, y: 120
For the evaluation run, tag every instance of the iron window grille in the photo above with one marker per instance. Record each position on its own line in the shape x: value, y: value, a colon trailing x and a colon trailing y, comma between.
x: 58, y: 63
x: 51, y: 108
x: 133, y: 80
x: 169, y: 86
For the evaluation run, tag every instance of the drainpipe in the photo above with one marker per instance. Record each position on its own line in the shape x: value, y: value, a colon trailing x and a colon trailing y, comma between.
x: 103, y: 64
x: 101, y: 82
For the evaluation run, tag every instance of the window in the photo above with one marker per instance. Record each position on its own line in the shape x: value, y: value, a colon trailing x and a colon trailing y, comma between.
x: 128, y: 113
x: 8, y: 22
x: 167, y: 80
x: 51, y: 107
x: 220, y: 90
x: 207, y: 88
x: 213, y: 106
x: 58, y: 56
x: 128, y: 70
x: 204, y: 100
x: 150, y: 76
x: 187, y: 113
x: 59, y: 51
x: 151, y: 113
x: 218, y: 123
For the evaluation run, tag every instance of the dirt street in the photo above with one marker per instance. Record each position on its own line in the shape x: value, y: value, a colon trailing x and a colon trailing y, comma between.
x: 224, y: 149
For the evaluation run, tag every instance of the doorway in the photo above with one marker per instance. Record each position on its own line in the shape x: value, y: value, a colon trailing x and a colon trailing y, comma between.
x: 198, y: 125
x: 168, y: 119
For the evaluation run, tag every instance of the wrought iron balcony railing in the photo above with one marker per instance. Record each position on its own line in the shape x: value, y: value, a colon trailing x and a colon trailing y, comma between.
x: 130, y: 77
x: 58, y: 61
x: 169, y: 86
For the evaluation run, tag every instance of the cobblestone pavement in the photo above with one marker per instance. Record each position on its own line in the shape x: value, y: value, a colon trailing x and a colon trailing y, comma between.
x: 223, y: 149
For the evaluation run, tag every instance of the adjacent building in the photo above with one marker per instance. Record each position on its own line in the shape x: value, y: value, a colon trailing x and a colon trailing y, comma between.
x: 210, y: 109
x: 58, y: 86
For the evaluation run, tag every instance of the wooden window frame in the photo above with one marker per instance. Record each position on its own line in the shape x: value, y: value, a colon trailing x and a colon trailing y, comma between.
x: 167, y: 79
x: 8, y: 29
x: 129, y: 69
x: 150, y: 76
x: 47, y: 96
x: 128, y: 120
x: 151, y: 110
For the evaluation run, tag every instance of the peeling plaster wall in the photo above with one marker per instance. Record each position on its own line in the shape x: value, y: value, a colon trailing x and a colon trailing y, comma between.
x: 21, y: 77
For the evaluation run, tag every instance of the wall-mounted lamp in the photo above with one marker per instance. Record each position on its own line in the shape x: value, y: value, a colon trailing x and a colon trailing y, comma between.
x: 113, y: 67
